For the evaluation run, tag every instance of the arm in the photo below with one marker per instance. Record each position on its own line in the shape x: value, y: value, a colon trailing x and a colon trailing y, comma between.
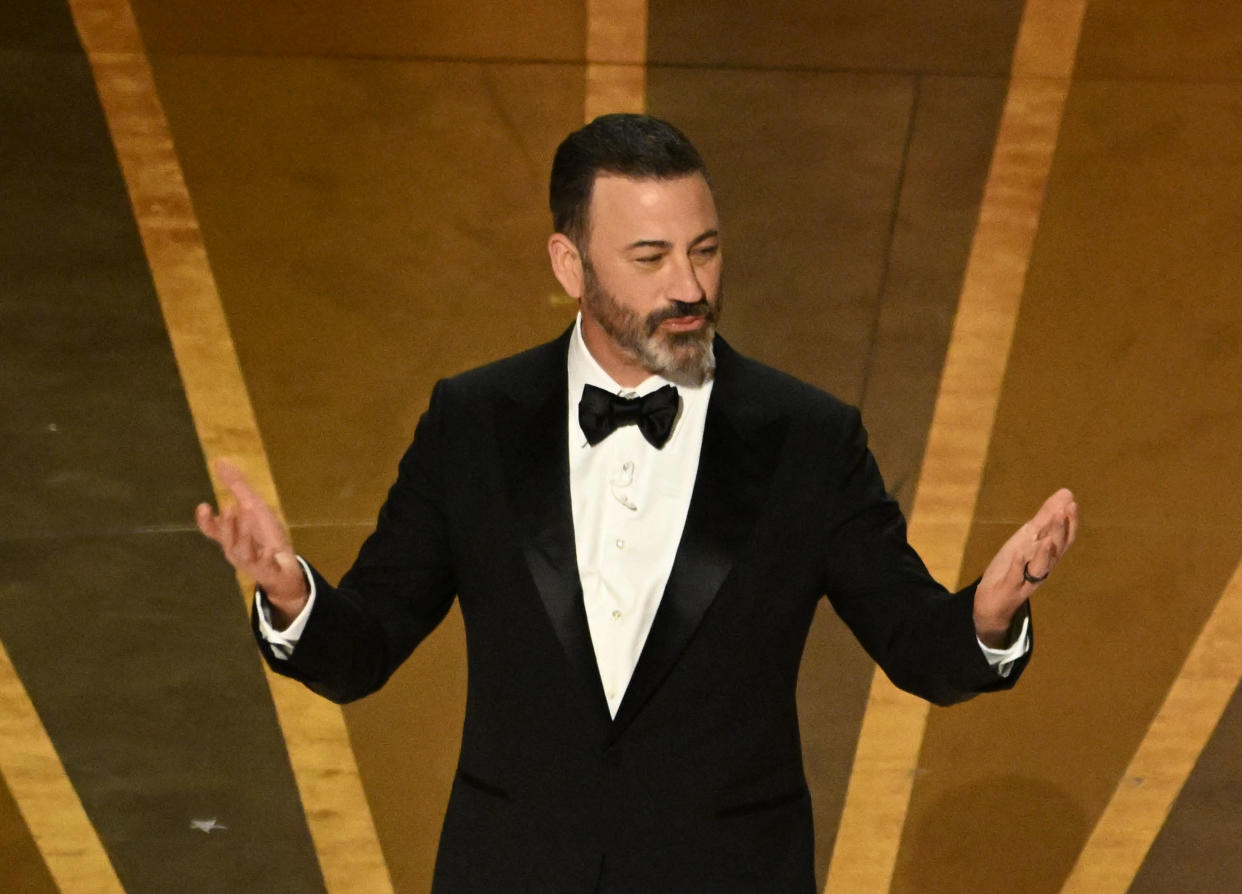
x: 925, y: 638
x: 398, y: 590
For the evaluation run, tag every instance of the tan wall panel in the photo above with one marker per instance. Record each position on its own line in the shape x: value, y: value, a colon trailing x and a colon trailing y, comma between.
x: 1132, y: 316
x: 1178, y: 40
x: 947, y: 162
x: 372, y: 227
x: 498, y: 29
x: 934, y: 36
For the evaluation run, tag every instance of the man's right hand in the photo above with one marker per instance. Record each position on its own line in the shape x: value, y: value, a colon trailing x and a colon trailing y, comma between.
x: 257, y: 544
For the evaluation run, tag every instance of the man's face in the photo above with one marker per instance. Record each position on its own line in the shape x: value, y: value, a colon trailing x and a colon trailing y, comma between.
x: 651, y: 287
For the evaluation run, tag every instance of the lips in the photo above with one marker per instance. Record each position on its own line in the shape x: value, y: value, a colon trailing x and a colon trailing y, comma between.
x: 684, y: 324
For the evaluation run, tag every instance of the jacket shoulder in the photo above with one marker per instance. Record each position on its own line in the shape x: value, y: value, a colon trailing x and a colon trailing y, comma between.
x: 528, y: 374
x: 778, y: 392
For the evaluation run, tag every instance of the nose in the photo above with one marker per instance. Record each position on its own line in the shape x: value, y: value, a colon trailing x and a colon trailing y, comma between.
x: 687, y: 283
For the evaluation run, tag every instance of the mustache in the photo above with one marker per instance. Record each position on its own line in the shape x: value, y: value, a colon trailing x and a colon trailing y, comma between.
x: 680, y: 310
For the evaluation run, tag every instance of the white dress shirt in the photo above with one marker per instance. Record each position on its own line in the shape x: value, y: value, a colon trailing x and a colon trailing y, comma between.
x: 629, y: 502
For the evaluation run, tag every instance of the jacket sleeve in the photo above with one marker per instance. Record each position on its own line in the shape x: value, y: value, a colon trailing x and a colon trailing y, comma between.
x: 397, y: 591
x: 921, y: 635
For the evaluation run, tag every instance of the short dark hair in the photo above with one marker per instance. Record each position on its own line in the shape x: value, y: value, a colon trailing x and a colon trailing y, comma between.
x: 638, y: 146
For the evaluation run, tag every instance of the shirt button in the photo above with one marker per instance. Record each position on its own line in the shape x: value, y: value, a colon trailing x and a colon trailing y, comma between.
x: 620, y: 543
x: 616, y: 615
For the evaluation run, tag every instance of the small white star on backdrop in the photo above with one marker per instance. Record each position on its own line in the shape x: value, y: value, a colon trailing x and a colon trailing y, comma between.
x: 207, y: 825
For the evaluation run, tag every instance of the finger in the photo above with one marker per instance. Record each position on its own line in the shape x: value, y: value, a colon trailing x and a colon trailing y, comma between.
x: 228, y: 532
x: 265, y: 526
x: 1063, y: 531
x: 1051, y: 512
x: 258, y: 550
x: 268, y: 528
x: 1058, y: 536
x: 265, y: 529
x: 245, y: 546
x: 1041, y: 564
x: 236, y: 482
x: 207, y: 521
x: 1016, y: 566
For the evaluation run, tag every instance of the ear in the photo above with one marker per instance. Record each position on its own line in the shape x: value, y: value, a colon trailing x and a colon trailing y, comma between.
x: 566, y: 264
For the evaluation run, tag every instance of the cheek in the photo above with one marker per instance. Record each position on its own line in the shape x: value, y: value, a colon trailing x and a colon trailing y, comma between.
x: 613, y: 280
x: 638, y: 293
x: 711, y: 281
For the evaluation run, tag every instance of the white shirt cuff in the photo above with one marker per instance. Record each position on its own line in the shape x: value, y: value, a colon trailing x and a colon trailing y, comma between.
x: 283, y: 641
x: 1004, y: 659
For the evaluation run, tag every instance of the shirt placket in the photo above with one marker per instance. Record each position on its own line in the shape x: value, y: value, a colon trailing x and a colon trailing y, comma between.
x: 619, y: 578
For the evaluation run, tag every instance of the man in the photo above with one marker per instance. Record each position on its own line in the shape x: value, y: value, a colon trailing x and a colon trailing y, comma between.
x: 638, y: 523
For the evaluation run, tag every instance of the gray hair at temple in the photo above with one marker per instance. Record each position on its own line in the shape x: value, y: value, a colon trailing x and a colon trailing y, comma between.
x: 637, y: 146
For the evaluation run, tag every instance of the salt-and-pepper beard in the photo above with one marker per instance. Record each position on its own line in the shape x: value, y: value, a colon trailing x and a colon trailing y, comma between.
x: 685, y: 358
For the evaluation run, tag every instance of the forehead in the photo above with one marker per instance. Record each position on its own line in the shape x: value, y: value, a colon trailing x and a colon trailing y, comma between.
x: 631, y: 209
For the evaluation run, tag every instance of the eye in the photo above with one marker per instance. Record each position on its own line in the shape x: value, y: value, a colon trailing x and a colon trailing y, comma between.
x: 706, y: 252
x: 649, y: 259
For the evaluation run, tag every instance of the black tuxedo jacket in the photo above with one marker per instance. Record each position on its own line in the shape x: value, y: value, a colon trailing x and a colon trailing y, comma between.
x: 697, y: 785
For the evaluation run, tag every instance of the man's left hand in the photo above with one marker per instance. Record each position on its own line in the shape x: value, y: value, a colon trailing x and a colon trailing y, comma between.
x: 1022, y: 564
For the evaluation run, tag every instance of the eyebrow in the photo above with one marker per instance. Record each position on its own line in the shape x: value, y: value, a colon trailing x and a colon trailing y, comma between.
x: 666, y: 245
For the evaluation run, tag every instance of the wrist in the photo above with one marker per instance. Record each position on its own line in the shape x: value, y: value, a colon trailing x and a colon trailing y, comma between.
x: 994, y: 639
x: 282, y: 613
x: 994, y: 632
x: 285, y: 599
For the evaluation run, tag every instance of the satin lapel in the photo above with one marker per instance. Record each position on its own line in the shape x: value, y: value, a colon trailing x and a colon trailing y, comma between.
x: 742, y: 441
x: 531, y: 434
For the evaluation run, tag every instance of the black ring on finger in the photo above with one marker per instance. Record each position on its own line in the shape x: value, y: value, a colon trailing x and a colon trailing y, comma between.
x: 1032, y: 579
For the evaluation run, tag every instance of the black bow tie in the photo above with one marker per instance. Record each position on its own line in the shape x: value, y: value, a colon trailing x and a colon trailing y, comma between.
x: 600, y: 413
